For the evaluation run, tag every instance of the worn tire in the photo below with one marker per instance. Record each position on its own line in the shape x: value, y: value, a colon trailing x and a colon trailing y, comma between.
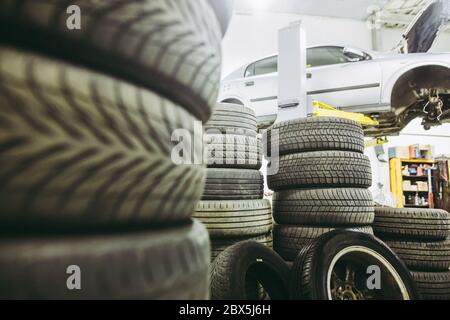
x: 232, y: 119
x: 162, y: 264
x: 309, y: 274
x: 408, y: 223
x: 288, y: 240
x: 423, y: 256
x: 219, y: 245
x: 233, y: 151
x: 82, y: 149
x: 233, y: 184
x: 336, y: 207
x: 320, y: 169
x: 238, y: 218
x: 316, y: 134
x: 433, y: 285
x: 232, y: 268
x: 170, y: 47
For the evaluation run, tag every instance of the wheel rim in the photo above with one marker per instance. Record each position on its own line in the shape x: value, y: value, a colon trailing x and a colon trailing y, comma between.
x: 347, y: 276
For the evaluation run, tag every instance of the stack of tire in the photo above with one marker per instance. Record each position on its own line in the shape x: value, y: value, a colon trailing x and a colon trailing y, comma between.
x: 91, y: 204
x: 420, y: 238
x: 232, y: 207
x: 320, y: 179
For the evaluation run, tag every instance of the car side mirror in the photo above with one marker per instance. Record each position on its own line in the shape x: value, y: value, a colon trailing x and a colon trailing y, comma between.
x: 354, y: 55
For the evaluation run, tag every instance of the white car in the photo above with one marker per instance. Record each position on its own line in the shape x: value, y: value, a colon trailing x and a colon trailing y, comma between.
x: 393, y: 87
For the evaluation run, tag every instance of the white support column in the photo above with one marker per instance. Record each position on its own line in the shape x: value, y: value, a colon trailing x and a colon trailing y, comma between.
x: 292, y: 98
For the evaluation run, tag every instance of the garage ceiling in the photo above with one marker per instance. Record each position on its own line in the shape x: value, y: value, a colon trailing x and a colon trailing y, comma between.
x: 353, y: 9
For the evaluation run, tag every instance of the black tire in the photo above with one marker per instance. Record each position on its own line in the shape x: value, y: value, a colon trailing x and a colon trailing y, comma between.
x: 288, y: 240
x: 170, y: 47
x: 233, y: 184
x: 423, y: 256
x: 409, y: 223
x: 433, y: 285
x: 232, y: 219
x: 219, y: 245
x: 309, y: 275
x: 233, y: 152
x: 163, y: 264
x: 336, y: 207
x: 321, y: 169
x: 248, y: 259
x: 316, y: 134
x: 232, y: 119
x: 82, y: 149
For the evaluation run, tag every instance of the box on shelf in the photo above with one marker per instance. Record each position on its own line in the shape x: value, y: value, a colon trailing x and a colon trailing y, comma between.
x: 399, y: 152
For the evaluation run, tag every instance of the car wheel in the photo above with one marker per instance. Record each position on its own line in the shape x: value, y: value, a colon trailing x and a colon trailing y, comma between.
x: 335, y: 267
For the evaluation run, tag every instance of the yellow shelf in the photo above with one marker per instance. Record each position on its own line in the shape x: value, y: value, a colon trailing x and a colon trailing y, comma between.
x: 418, y: 161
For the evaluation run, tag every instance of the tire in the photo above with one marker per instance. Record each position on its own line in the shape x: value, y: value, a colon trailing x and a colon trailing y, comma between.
x: 233, y: 152
x: 170, y: 47
x: 232, y: 119
x: 219, y: 245
x: 321, y: 169
x: 423, y: 256
x: 337, y: 207
x: 79, y: 149
x: 316, y: 262
x: 233, y: 267
x: 289, y: 240
x: 433, y: 285
x: 431, y: 224
x: 316, y: 134
x: 233, y: 184
x: 163, y: 264
x: 233, y: 219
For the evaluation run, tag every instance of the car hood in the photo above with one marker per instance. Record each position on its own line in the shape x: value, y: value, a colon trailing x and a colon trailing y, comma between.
x: 425, y: 27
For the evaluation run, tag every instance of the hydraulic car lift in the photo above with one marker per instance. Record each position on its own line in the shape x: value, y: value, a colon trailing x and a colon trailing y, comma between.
x: 293, y: 101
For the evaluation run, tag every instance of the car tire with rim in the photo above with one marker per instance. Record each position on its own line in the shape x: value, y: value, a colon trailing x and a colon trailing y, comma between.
x: 334, y: 267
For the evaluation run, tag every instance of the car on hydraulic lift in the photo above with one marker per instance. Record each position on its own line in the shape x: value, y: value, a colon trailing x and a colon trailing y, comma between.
x: 392, y: 87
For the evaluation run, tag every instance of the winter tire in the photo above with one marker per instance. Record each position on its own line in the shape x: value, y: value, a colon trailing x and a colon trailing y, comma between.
x: 337, y: 207
x: 82, y: 149
x: 321, y: 169
x: 159, y: 264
